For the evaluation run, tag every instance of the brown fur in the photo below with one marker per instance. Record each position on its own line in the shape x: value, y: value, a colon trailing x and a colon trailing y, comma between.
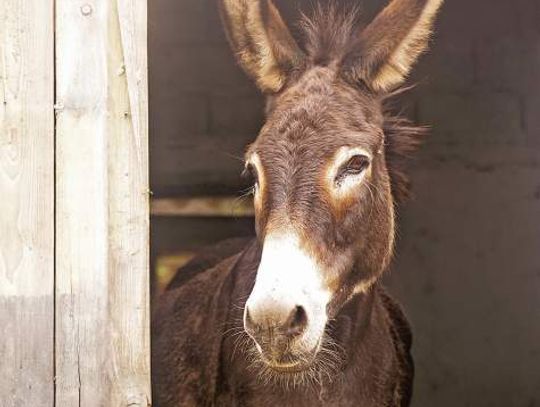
x: 202, y: 357
x: 329, y: 97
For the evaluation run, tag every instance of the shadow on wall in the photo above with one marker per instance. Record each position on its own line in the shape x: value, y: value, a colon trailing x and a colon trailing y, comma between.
x: 467, y: 268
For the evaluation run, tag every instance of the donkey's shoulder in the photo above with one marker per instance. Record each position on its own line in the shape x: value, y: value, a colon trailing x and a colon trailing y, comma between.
x: 187, y: 328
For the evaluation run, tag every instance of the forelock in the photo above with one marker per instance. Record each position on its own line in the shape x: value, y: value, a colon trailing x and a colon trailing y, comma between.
x: 328, y: 31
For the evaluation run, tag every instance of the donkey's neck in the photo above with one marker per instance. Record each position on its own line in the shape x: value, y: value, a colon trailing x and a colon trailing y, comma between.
x: 353, y: 323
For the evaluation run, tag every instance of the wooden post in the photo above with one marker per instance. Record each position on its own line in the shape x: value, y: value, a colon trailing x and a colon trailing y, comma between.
x: 26, y: 203
x: 102, y: 204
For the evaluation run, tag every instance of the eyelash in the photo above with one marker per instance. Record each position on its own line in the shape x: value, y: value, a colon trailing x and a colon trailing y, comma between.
x: 250, y: 174
x: 356, y: 165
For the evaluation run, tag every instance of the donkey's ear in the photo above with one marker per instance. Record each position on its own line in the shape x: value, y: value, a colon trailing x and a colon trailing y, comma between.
x: 261, y: 41
x: 387, y: 48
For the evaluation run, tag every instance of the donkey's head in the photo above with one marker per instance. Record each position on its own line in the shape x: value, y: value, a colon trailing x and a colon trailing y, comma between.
x: 323, y: 182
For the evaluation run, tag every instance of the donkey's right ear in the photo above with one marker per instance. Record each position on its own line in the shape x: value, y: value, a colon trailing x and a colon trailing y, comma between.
x: 263, y: 44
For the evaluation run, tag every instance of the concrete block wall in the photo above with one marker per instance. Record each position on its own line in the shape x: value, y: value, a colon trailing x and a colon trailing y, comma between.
x: 467, y: 267
x: 468, y: 261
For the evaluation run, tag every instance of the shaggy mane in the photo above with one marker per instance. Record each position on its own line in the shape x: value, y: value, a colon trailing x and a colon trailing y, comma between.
x: 402, y: 139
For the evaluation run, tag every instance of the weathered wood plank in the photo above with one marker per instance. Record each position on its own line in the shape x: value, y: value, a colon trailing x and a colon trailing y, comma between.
x: 102, y: 309
x: 130, y: 223
x: 26, y: 203
x: 222, y: 206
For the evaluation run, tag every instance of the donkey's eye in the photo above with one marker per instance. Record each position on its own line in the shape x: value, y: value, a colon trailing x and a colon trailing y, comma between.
x: 357, y: 164
x: 250, y: 174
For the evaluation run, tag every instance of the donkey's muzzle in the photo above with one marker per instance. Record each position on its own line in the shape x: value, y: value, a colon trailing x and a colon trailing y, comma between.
x: 274, y: 324
x: 285, y: 313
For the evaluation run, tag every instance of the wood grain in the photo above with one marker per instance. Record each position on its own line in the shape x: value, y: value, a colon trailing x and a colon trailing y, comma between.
x: 102, y: 308
x: 26, y: 203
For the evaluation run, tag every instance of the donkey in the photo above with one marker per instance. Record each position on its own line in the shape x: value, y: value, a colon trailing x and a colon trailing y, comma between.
x: 297, y: 316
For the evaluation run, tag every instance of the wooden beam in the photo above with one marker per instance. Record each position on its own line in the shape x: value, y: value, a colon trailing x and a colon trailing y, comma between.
x: 203, y: 207
x: 26, y: 203
x: 102, y: 242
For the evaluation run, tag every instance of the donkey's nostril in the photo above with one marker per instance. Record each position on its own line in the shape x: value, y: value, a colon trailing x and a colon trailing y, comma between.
x: 297, y: 321
x: 261, y: 326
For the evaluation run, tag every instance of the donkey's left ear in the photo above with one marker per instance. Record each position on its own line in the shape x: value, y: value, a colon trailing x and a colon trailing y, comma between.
x: 263, y: 45
x: 387, y: 48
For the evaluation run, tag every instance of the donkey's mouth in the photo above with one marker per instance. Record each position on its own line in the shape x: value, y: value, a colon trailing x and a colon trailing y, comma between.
x: 289, y: 367
x: 290, y: 363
